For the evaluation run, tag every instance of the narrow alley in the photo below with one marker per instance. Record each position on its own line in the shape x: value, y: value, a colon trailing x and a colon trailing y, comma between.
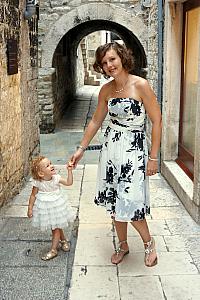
x: 86, y: 271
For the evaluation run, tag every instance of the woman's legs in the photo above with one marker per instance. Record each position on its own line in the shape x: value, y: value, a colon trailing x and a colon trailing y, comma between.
x: 142, y: 228
x: 150, y: 254
x: 121, y: 229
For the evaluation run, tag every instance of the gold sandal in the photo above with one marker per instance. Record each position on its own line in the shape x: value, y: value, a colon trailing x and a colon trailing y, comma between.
x: 119, y: 254
x: 51, y: 254
x: 149, y: 249
x: 65, y: 246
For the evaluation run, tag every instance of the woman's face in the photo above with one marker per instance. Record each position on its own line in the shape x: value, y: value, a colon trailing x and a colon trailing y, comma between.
x: 111, y: 63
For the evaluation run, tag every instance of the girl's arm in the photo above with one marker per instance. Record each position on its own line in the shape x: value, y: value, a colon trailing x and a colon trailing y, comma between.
x: 32, y: 201
x: 69, y: 180
x: 153, y: 110
x: 93, y: 126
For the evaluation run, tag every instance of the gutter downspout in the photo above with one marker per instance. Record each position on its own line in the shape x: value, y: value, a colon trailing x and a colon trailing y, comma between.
x: 160, y: 51
x: 160, y: 60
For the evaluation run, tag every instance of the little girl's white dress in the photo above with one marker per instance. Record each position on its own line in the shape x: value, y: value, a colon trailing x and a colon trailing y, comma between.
x: 50, y: 209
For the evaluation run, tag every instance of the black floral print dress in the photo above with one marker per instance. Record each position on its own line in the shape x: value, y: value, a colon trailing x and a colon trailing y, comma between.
x: 122, y: 185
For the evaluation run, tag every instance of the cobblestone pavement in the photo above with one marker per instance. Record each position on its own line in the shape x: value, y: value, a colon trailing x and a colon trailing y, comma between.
x: 25, y: 276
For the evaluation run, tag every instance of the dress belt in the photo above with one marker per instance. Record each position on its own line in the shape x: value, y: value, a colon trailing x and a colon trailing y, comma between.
x: 130, y: 128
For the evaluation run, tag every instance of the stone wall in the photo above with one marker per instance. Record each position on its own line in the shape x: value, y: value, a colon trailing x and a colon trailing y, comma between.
x: 78, y: 18
x: 152, y: 54
x: 19, y: 111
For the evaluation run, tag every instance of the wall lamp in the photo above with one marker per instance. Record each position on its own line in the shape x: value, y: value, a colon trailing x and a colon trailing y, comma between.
x: 30, y: 9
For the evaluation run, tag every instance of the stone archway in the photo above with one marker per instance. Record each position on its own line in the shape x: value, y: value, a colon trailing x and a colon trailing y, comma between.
x: 89, y: 12
x: 74, y: 26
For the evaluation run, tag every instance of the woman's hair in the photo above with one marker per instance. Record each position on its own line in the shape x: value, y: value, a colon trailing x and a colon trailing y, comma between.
x: 35, y: 167
x: 124, y: 53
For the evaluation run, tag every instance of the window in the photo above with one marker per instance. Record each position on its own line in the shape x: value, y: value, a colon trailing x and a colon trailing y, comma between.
x: 189, y: 79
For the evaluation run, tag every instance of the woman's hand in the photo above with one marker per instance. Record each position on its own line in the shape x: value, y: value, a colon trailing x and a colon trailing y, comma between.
x: 69, y: 166
x: 30, y: 212
x: 76, y: 157
x: 152, y: 167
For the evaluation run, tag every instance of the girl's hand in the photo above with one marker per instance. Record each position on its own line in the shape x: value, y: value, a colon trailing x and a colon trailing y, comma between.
x: 30, y: 212
x: 70, y: 166
x: 152, y: 167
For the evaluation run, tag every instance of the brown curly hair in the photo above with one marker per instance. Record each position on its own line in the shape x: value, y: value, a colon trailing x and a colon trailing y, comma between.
x: 124, y: 53
x: 35, y: 167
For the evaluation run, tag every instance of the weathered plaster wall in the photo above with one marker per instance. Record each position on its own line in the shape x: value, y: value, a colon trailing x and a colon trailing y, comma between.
x: 19, y: 111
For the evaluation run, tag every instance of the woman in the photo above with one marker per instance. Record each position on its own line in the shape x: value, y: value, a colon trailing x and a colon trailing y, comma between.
x: 124, y: 166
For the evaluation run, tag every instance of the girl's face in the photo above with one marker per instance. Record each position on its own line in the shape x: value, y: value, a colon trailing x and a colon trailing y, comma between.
x: 111, y: 63
x: 46, y: 169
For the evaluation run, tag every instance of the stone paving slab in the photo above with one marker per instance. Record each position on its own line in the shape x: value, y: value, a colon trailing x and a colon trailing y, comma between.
x: 93, y: 214
x: 163, y: 197
x: 141, y: 287
x: 18, y: 211
x: 87, y: 197
x: 156, y: 227
x: 195, y: 254
x: 183, y: 243
x: 98, y: 250
x: 20, y: 229
x: 158, y: 213
x: 169, y: 263
x: 183, y: 225
x: 184, y: 287
x: 88, y: 188
x: 20, y: 283
x: 27, y: 254
x: 91, y: 282
x: 90, y: 173
x: 93, y: 251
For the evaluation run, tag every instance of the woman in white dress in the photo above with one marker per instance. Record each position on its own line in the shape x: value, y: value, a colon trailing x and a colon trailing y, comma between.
x: 47, y: 206
x: 124, y: 165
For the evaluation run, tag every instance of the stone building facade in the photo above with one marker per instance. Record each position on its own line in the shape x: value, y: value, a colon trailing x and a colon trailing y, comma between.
x: 180, y: 150
x: 63, y: 24
x: 19, y: 110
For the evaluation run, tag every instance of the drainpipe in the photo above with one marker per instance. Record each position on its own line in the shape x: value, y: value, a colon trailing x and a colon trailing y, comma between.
x: 160, y: 51
x: 30, y: 9
x: 160, y: 59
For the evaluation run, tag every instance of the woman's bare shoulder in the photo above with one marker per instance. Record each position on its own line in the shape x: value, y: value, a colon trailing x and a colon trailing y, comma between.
x: 138, y: 81
x: 106, y: 90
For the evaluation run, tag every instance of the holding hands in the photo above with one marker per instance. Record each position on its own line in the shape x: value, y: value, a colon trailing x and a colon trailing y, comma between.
x: 70, y: 166
x: 77, y: 156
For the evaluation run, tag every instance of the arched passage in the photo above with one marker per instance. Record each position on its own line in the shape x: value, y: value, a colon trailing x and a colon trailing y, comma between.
x: 68, y: 32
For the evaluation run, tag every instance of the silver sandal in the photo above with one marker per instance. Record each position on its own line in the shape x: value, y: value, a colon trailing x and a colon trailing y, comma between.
x: 149, y: 249
x: 119, y: 253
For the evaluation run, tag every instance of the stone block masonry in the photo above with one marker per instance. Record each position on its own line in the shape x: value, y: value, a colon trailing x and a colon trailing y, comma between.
x: 19, y: 110
x: 63, y: 24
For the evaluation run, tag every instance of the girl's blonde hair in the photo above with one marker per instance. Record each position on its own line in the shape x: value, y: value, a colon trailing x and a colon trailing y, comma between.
x: 35, y: 167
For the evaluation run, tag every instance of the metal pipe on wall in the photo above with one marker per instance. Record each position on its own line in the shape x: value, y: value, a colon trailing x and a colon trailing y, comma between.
x: 160, y: 50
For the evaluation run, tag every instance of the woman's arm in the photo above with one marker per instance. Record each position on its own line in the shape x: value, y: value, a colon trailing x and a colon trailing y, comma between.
x: 32, y: 201
x: 93, y: 126
x: 153, y: 110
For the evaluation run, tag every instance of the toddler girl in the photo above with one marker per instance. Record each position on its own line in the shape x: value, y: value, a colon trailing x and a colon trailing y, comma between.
x: 47, y: 207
